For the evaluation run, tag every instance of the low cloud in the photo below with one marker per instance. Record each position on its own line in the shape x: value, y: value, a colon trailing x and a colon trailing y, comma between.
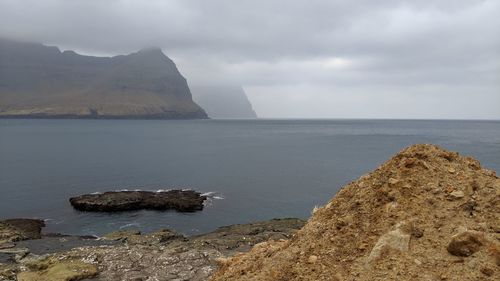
x: 400, y: 59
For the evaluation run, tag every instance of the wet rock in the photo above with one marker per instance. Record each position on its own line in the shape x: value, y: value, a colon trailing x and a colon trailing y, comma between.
x: 12, y: 230
x: 114, y: 201
x: 51, y: 243
x: 120, y: 235
x: 465, y: 243
x: 158, y: 237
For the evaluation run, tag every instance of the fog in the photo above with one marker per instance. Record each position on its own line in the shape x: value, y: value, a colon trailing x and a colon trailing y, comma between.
x: 298, y: 59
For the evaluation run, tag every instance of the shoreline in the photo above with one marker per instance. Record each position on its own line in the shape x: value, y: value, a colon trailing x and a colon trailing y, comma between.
x: 188, y: 258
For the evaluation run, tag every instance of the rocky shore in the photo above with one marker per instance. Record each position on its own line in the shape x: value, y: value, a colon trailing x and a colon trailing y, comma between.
x: 130, y: 255
x: 425, y: 214
x: 115, y: 201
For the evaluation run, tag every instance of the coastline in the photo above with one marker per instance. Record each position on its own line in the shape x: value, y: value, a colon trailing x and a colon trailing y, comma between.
x: 96, y: 258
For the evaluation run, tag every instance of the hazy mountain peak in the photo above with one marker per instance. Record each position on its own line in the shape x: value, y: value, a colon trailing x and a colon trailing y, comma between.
x: 223, y: 101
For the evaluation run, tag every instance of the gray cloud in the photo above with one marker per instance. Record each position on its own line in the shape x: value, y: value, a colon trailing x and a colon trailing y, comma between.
x: 404, y: 59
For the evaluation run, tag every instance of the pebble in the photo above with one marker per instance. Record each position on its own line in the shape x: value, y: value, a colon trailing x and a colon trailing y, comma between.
x: 393, y: 181
x: 312, y: 259
x: 451, y: 170
x: 457, y: 194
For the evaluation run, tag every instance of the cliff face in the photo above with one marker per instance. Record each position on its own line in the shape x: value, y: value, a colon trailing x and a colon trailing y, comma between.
x: 426, y: 214
x: 41, y: 81
x: 223, y: 101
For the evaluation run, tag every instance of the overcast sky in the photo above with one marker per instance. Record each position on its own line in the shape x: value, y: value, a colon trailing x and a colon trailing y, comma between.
x: 314, y: 59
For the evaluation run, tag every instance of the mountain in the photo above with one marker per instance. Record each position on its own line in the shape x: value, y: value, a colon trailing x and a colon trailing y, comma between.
x: 223, y: 101
x: 43, y: 82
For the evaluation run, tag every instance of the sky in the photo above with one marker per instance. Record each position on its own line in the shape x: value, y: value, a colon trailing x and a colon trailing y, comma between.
x: 298, y: 59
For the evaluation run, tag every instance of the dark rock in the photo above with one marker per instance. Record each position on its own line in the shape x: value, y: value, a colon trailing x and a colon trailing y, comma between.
x: 163, y: 236
x: 180, y: 200
x: 12, y: 230
x: 465, y: 243
x: 53, y: 244
x: 241, y: 237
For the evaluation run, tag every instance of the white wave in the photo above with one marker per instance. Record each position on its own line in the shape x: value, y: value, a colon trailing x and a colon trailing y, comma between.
x: 208, y: 194
x: 129, y: 225
x: 213, y: 195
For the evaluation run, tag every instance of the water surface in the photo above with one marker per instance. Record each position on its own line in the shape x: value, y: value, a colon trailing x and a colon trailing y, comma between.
x: 261, y: 168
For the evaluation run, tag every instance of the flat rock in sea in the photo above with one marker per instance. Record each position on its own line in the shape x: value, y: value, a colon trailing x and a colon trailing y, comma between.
x: 115, y: 201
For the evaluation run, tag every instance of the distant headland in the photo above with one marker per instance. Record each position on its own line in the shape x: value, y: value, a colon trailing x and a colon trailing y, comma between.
x: 38, y: 81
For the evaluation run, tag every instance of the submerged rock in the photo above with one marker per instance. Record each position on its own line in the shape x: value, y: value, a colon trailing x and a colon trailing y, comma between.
x: 114, y: 201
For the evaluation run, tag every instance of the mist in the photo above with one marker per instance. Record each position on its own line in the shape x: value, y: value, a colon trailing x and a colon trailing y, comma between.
x: 298, y: 59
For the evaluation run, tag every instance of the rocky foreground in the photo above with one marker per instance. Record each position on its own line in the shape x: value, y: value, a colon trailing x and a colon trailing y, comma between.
x: 128, y: 255
x: 425, y: 214
x: 115, y: 201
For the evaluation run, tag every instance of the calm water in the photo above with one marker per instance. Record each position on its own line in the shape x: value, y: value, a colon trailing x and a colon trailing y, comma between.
x: 262, y: 169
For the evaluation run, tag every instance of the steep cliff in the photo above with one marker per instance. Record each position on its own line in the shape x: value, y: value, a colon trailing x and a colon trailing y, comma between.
x: 223, y: 101
x: 43, y: 82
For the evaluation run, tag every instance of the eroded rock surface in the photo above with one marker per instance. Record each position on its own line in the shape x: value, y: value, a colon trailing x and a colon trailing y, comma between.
x: 12, y: 230
x: 160, y: 255
x: 114, y: 201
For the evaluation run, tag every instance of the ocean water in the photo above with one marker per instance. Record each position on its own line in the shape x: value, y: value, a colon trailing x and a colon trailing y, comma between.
x: 253, y: 169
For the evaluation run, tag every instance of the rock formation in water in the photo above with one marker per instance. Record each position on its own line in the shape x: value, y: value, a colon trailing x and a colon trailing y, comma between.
x: 426, y: 214
x: 116, y: 201
x: 223, y: 101
x: 38, y: 81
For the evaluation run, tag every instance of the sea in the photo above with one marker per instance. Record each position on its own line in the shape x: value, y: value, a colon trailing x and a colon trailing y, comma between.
x: 251, y: 170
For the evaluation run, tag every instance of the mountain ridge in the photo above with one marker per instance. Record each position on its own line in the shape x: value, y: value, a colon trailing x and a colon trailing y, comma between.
x: 38, y: 81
